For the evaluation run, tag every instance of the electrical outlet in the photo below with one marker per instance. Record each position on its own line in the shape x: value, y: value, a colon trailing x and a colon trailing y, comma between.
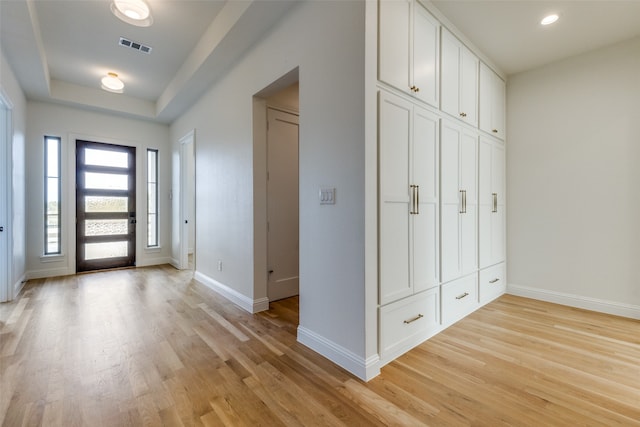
x: 219, y: 265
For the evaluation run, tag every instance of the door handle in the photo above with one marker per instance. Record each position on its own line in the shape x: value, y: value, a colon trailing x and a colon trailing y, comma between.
x: 1, y: 229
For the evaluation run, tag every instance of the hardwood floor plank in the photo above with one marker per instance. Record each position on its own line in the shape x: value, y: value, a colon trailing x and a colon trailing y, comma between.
x: 150, y: 346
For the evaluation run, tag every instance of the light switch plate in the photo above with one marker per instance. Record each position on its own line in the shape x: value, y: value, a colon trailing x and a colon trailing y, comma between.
x: 327, y: 196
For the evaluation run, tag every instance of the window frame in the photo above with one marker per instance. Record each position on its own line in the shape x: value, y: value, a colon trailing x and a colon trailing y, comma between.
x: 155, y: 213
x: 47, y: 176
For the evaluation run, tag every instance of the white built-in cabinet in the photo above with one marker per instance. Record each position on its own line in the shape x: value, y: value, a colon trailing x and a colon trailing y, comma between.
x: 492, y: 102
x: 408, y: 177
x: 409, y: 51
x: 491, y: 211
x: 459, y: 200
x: 441, y: 178
x: 459, y: 79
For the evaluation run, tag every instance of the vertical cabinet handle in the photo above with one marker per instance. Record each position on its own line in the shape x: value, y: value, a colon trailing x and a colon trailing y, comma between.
x: 495, y: 202
x: 463, y: 201
x: 412, y: 209
x: 417, y: 198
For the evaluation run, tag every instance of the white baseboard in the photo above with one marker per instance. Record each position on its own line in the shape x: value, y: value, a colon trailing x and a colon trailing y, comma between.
x: 17, y: 287
x: 578, y: 301
x: 153, y: 261
x: 175, y: 263
x: 365, y: 369
x: 244, y: 302
x: 49, y: 272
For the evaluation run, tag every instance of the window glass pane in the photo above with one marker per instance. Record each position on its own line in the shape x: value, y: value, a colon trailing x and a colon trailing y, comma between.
x: 52, y: 196
x: 152, y: 162
x: 106, y: 181
x: 105, y: 250
x: 106, y: 204
x: 116, y: 159
x: 151, y: 198
x: 152, y: 230
x: 106, y: 227
x: 53, y: 234
x: 53, y: 157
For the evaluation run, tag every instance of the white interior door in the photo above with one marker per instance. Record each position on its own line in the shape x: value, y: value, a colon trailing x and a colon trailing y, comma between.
x: 282, y: 205
x: 5, y: 167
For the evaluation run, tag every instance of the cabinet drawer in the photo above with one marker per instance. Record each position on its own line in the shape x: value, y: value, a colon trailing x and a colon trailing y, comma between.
x: 459, y: 298
x: 492, y: 283
x: 406, y: 323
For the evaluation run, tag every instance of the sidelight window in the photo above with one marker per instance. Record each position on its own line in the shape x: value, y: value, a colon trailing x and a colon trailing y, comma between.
x: 152, y: 198
x: 52, y: 192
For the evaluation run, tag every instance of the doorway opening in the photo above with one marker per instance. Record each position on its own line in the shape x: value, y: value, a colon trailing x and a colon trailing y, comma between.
x: 105, y: 206
x: 276, y: 196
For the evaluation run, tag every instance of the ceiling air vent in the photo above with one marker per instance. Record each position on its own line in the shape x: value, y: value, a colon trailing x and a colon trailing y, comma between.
x: 134, y: 45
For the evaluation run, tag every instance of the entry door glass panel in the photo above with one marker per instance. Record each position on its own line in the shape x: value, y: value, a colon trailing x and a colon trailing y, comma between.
x: 105, y: 206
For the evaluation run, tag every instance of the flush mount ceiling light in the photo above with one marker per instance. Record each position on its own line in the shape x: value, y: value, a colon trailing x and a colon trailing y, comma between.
x: 549, y: 19
x: 111, y: 83
x: 134, y: 12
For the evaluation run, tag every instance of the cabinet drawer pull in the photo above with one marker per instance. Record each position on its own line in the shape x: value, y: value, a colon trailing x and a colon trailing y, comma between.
x: 466, y: 294
x: 494, y: 280
x: 418, y: 317
x: 463, y: 114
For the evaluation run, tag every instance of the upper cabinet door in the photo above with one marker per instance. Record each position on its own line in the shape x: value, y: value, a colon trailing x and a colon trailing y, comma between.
x: 459, y: 79
x: 469, y: 64
x: 450, y: 74
x: 425, y: 65
x: 492, y: 102
x: 409, y: 49
x: 394, y: 43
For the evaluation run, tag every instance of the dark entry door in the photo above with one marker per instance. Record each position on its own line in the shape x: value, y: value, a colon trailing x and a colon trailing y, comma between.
x: 105, y: 206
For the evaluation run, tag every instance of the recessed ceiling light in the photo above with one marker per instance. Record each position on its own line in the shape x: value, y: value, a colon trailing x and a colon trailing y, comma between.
x: 134, y: 12
x: 111, y: 83
x: 549, y: 19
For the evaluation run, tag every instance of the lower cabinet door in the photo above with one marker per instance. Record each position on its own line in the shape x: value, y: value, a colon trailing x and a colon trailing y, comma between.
x: 492, y: 283
x: 459, y: 298
x: 406, y: 323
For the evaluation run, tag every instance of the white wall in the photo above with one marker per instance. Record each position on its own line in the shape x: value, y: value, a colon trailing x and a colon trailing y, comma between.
x: 573, y: 179
x: 326, y: 41
x: 11, y: 90
x: 71, y: 124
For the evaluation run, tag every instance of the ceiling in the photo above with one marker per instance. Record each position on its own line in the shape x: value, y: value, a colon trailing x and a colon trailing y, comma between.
x: 59, y: 49
x: 509, y: 32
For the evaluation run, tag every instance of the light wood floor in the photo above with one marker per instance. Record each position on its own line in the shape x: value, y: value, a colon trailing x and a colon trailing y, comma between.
x: 150, y: 347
